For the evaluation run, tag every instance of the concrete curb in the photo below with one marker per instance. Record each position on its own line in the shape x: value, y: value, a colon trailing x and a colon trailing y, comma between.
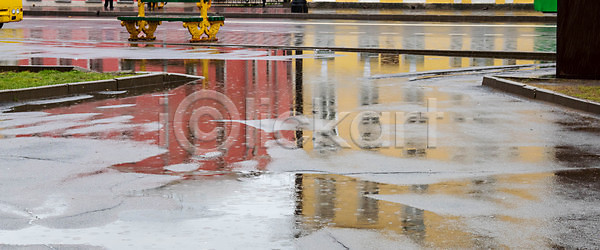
x: 323, y: 16
x: 542, y: 56
x: 541, y: 94
x: 460, y: 70
x: 38, y: 68
x: 132, y: 82
x: 92, y: 86
x: 117, y: 84
x: 402, y: 18
x: 421, y: 6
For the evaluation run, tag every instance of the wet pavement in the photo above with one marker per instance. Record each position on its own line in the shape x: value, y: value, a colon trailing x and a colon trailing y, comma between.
x: 420, y: 161
x: 39, y: 33
x: 290, y: 149
x: 277, y: 9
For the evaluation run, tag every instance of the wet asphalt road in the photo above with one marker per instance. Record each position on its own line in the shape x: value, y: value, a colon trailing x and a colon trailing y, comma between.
x: 386, y: 162
x: 436, y: 36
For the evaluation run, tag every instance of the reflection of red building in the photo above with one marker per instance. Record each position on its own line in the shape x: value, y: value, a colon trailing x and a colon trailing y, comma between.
x: 84, y: 34
x: 258, y: 89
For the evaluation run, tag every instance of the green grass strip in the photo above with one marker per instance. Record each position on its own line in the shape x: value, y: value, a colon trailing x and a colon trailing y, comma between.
x: 26, y: 79
x: 591, y: 93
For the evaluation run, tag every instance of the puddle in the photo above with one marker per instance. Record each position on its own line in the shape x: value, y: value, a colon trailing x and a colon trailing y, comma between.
x: 282, y: 153
x: 468, y: 213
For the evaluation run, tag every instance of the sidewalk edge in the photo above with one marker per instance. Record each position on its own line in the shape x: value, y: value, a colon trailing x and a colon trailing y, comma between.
x: 531, y: 92
x: 78, y: 88
x: 305, y: 16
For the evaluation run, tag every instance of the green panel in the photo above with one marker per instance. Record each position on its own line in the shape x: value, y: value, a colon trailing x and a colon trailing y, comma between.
x: 545, y: 5
x: 216, y: 18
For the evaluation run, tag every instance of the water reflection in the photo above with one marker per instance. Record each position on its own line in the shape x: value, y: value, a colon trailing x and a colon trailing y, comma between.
x: 329, y: 90
x: 345, y: 202
x: 336, y: 201
x: 443, y: 213
x: 429, y: 36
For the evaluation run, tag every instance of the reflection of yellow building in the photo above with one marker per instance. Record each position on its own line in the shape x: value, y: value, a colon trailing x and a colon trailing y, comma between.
x: 9, y: 36
x: 341, y: 91
x: 343, y: 202
x: 429, y: 37
x: 341, y: 86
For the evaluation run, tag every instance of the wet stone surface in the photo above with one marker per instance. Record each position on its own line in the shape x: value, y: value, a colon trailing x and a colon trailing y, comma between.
x: 281, y: 150
x: 286, y: 32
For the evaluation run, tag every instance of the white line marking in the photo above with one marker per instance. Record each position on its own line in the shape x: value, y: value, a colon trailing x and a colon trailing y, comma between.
x: 326, y: 23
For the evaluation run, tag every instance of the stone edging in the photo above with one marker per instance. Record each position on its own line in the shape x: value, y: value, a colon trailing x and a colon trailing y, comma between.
x: 519, y: 55
x: 531, y: 92
x: 552, y: 19
x: 38, y: 68
x: 422, y: 6
x: 117, y: 84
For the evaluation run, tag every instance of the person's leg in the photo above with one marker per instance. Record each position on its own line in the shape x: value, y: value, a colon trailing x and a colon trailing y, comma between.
x: 105, y: 4
x: 111, y: 4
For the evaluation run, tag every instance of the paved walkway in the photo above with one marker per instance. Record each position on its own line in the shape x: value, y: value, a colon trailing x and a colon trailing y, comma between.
x: 529, y: 42
x: 280, y: 12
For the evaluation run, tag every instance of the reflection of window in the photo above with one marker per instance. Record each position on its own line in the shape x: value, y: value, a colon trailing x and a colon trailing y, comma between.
x: 368, y: 208
x: 413, y: 223
x: 390, y: 59
x: 128, y: 65
x: 482, y: 62
x: 325, y: 201
x: 96, y: 65
x: 509, y: 61
x: 455, y: 62
x: 370, y: 130
x: 324, y: 107
x: 65, y: 61
x: 37, y: 61
x: 416, y: 152
x: 369, y: 94
x: 219, y: 67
